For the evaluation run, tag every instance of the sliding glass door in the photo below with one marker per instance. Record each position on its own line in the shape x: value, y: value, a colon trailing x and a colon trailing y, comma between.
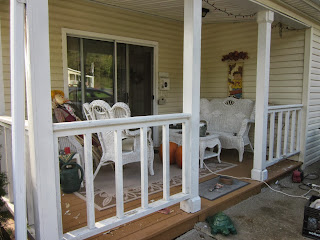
x: 110, y: 71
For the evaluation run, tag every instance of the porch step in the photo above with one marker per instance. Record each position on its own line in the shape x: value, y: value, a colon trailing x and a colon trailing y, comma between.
x: 160, y: 226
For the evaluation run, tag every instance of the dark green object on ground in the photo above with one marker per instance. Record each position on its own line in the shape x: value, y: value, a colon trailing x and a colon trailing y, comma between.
x: 70, y: 180
x: 221, y: 223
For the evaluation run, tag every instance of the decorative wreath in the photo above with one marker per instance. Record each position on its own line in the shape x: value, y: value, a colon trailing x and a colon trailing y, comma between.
x: 235, y: 56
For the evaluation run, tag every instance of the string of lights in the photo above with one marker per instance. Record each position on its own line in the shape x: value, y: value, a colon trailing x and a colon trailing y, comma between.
x: 229, y: 13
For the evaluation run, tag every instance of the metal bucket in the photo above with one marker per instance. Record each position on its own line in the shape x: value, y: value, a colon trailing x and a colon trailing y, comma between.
x: 203, y: 128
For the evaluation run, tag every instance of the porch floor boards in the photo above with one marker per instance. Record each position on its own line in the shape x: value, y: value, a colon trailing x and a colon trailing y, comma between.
x: 161, y: 226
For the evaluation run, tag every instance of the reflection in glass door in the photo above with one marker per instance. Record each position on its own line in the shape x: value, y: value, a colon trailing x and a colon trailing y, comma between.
x: 140, y: 80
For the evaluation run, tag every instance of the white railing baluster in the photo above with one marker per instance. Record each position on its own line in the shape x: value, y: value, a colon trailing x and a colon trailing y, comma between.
x: 89, y: 180
x: 286, y: 133
x: 185, y: 137
x: 58, y: 192
x: 293, y: 129
x: 166, y: 162
x: 119, y: 173
x: 298, y: 130
x: 144, y: 167
x: 8, y: 146
x: 279, y: 134
x: 271, y: 136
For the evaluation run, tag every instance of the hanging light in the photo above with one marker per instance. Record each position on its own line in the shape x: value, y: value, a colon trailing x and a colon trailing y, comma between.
x: 204, y: 12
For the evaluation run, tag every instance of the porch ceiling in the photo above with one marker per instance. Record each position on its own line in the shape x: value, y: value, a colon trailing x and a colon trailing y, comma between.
x: 220, y: 10
x: 310, y: 8
x: 173, y: 9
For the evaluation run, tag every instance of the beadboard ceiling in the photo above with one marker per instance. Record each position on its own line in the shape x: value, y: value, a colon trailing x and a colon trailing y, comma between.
x: 173, y: 9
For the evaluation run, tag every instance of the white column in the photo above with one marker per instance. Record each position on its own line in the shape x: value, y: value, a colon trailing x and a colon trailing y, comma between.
x: 40, y: 121
x: 191, y: 99
x: 306, y: 93
x: 259, y: 171
x: 2, y: 102
x: 17, y: 20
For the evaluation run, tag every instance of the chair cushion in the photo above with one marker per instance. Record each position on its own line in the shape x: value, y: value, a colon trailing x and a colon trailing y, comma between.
x: 127, y: 144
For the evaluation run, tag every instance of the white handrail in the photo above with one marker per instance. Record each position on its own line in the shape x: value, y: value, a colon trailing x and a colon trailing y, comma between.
x: 285, y: 107
x: 93, y: 126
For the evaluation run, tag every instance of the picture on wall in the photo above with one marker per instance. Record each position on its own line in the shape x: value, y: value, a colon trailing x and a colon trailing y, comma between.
x: 235, y: 80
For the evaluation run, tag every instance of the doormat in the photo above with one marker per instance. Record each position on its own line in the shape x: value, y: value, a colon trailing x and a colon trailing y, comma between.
x: 205, y: 188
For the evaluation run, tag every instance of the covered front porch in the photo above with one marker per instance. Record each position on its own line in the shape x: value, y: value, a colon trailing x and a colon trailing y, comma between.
x: 169, y: 226
x: 44, y: 195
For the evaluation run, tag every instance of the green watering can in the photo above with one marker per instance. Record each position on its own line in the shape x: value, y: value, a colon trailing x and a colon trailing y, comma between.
x: 69, y: 177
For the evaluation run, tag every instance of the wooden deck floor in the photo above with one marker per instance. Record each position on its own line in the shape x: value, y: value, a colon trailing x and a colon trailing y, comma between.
x: 161, y: 226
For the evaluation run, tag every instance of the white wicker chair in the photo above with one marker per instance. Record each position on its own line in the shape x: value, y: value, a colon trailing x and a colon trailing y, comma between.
x: 122, y: 110
x: 87, y: 111
x: 101, y: 110
x: 230, y: 118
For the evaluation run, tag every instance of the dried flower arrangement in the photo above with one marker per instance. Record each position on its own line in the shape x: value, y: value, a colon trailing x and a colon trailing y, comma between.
x: 235, y: 56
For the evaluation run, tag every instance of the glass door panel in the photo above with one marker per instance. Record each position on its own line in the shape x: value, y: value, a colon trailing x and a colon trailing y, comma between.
x: 74, y: 70
x: 98, y: 59
x: 140, y: 80
x: 122, y: 92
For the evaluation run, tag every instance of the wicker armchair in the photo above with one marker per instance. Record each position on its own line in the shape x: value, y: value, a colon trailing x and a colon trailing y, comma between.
x: 230, y: 118
x: 130, y: 139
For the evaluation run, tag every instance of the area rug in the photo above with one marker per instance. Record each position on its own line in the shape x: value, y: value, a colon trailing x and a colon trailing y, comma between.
x: 104, y: 184
x: 206, y: 188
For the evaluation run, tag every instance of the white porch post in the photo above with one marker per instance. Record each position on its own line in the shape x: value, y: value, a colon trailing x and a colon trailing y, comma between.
x: 17, y: 20
x: 40, y: 121
x: 191, y: 99
x: 259, y: 171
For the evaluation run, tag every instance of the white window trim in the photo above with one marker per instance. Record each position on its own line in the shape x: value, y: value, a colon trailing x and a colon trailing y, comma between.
x: 2, y: 99
x: 107, y: 37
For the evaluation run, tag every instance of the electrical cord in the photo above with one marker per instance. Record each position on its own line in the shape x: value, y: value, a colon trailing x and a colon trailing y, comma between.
x: 309, y: 176
x: 245, y: 178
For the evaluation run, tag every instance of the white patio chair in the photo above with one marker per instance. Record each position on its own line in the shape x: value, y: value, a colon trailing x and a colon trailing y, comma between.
x: 122, y: 110
x: 101, y: 110
x: 87, y: 111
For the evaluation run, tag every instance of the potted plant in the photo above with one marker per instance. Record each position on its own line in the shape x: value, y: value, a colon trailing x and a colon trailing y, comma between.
x: 4, y: 215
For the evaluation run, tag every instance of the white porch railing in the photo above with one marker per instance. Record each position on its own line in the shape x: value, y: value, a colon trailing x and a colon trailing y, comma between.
x: 87, y: 128
x: 6, y: 166
x: 284, y: 129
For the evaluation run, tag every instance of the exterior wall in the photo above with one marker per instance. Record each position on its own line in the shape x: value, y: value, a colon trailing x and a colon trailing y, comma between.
x: 217, y: 40
x: 312, y: 152
x: 5, y: 43
x: 92, y: 17
x: 286, y: 69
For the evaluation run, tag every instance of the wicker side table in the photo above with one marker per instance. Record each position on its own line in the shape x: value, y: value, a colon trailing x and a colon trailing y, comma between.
x: 209, y: 141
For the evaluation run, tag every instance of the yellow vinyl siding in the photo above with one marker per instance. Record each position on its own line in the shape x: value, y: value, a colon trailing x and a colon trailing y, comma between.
x: 313, y: 132
x: 86, y: 16
x: 4, y: 18
x: 286, y: 68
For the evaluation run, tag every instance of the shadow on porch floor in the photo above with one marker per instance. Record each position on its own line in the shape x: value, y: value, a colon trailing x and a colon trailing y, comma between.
x: 161, y: 226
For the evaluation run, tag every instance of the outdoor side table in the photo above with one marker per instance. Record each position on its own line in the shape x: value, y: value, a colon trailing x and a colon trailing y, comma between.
x: 209, y: 141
